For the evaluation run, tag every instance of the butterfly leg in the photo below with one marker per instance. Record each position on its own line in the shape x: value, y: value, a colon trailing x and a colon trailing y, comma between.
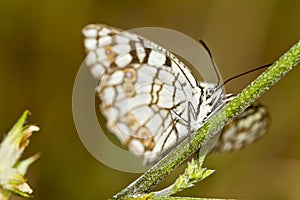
x: 191, y: 113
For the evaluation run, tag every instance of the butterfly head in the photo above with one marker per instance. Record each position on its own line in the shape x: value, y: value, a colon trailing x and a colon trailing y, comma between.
x: 212, y: 96
x: 210, y: 91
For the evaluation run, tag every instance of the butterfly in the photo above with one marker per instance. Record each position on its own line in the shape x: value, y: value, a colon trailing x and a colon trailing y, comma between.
x: 152, y: 101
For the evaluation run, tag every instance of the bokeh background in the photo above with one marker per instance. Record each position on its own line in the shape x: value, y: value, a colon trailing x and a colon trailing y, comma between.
x: 41, y: 51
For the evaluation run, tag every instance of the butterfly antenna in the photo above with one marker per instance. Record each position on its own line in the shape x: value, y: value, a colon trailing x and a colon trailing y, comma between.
x: 247, y: 72
x: 212, y: 61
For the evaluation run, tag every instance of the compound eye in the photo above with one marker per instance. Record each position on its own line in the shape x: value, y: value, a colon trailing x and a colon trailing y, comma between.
x: 209, y: 92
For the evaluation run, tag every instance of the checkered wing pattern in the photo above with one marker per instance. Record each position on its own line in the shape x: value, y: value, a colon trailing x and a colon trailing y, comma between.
x: 144, y: 90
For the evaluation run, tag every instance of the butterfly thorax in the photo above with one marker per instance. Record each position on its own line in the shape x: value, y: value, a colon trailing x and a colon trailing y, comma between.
x: 203, y: 103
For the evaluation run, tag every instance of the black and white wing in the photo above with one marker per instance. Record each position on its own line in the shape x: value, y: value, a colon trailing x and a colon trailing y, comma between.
x: 143, y: 88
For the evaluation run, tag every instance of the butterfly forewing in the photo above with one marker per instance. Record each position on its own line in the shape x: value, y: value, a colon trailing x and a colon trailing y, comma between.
x: 143, y: 88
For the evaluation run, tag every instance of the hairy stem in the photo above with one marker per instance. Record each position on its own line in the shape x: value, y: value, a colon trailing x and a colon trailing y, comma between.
x: 235, y: 107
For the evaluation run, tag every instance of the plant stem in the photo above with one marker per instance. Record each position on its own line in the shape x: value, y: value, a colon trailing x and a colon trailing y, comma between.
x: 235, y: 107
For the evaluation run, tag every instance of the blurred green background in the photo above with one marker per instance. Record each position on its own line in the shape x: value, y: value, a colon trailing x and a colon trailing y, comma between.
x: 41, y: 50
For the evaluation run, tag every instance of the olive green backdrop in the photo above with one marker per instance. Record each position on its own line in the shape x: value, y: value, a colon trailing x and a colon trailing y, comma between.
x: 41, y: 51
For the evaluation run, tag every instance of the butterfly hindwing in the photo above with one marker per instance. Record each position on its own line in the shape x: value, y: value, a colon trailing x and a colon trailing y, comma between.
x: 246, y: 128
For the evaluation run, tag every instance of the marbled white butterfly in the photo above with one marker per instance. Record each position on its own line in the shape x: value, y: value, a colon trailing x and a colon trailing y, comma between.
x: 151, y: 100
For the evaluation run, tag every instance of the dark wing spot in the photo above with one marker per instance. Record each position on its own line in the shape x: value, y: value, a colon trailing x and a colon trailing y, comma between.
x: 168, y: 62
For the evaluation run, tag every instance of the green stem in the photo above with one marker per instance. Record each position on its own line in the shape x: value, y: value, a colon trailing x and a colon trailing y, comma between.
x: 235, y: 107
